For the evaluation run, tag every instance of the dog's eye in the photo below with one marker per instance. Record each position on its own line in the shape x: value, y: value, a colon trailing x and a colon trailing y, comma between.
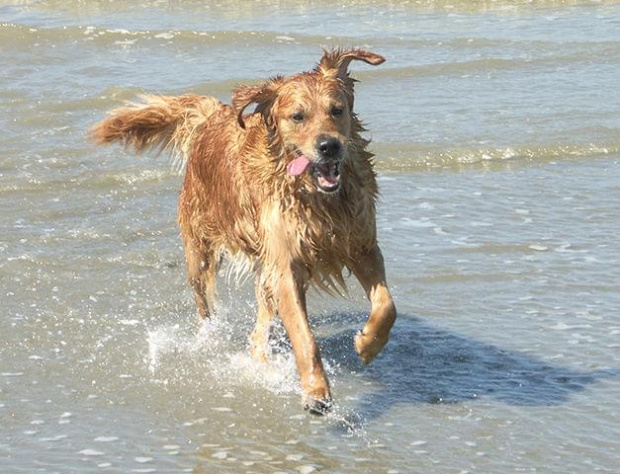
x: 337, y: 111
x: 297, y: 117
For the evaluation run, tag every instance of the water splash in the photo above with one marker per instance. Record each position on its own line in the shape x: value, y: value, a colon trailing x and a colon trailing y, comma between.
x: 216, y: 353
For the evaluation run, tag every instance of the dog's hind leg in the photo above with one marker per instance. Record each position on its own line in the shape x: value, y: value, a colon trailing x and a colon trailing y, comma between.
x: 201, y: 268
x: 369, y: 269
x: 259, y: 340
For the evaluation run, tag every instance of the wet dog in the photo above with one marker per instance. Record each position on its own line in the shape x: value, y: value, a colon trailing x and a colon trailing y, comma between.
x: 288, y: 189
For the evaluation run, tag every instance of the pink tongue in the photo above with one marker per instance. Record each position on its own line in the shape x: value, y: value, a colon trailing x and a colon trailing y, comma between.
x: 298, y: 166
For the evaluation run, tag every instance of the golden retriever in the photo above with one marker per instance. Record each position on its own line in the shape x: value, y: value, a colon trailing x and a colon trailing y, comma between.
x: 288, y: 189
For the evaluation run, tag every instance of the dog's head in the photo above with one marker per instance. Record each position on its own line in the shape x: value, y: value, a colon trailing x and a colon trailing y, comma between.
x: 310, y: 115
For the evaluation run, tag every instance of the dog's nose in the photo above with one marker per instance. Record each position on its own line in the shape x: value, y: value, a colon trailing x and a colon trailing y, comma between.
x: 328, y: 147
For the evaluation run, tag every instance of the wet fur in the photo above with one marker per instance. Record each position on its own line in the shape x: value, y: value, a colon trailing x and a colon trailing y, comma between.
x: 238, y: 200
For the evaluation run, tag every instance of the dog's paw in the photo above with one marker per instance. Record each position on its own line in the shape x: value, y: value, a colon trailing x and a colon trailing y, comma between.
x: 260, y: 354
x: 316, y: 406
x: 368, y: 346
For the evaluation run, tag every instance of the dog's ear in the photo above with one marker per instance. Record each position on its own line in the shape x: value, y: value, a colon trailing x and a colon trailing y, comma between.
x: 338, y: 60
x: 262, y: 95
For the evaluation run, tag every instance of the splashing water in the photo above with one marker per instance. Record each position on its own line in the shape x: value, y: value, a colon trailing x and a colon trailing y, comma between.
x: 216, y: 353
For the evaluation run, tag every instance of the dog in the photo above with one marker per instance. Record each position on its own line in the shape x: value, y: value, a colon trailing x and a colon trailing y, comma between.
x: 288, y: 190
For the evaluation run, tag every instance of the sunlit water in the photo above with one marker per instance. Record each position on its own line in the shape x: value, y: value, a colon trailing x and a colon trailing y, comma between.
x: 496, y: 128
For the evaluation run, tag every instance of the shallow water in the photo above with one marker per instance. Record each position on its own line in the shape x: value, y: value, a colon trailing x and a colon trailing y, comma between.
x: 496, y: 128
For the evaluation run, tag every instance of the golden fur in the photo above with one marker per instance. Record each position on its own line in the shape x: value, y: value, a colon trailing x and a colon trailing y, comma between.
x: 289, y: 188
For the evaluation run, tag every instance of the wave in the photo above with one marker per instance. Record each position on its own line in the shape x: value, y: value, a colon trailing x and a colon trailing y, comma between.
x: 391, y: 158
x: 28, y: 35
x: 242, y: 9
x: 499, y: 54
x: 579, y: 54
x: 399, y: 158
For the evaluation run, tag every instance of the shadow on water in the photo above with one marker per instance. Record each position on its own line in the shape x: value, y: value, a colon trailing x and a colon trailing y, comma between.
x: 426, y: 364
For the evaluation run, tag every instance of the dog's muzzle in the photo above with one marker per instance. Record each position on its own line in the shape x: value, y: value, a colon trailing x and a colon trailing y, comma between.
x: 325, y: 168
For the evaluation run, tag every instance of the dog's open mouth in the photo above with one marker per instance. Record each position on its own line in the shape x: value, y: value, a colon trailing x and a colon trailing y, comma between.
x: 325, y: 174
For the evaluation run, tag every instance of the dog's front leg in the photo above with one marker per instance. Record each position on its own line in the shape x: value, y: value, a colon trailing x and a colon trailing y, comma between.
x: 370, y: 271
x: 290, y: 294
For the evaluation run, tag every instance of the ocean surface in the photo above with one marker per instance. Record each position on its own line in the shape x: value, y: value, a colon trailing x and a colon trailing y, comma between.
x: 496, y: 126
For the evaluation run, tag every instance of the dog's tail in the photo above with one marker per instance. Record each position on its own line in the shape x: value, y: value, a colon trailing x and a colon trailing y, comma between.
x: 157, y: 123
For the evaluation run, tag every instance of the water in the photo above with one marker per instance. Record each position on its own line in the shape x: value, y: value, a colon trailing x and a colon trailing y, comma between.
x: 496, y: 128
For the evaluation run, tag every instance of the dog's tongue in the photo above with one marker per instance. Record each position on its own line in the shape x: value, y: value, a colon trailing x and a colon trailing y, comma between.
x: 298, y: 166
